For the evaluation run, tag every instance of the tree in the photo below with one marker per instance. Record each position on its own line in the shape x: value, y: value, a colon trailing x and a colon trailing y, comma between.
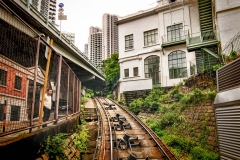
x: 111, y: 70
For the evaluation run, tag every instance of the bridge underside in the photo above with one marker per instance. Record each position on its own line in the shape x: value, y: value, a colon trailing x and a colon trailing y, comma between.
x: 87, y: 79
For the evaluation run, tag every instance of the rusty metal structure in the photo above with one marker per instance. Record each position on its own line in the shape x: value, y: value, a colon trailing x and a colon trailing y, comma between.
x: 28, y: 66
x: 123, y: 136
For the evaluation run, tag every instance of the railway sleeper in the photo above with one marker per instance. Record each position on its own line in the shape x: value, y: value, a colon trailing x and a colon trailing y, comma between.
x: 126, y: 142
x: 110, y: 108
x: 118, y: 117
x: 122, y: 126
x: 132, y: 156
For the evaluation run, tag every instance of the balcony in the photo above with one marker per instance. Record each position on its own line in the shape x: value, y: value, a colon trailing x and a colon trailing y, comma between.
x: 201, y: 39
x: 171, y: 40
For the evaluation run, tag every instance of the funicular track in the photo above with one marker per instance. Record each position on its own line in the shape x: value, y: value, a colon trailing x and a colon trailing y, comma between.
x: 123, y: 136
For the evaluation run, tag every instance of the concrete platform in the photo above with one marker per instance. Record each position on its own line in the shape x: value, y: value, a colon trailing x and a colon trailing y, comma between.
x: 89, y: 104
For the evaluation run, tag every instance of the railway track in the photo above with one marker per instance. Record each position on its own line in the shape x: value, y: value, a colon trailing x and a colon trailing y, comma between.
x: 123, y: 136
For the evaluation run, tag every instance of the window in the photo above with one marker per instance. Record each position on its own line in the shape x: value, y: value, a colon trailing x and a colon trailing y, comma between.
x: 150, y: 37
x: 18, y: 82
x: 177, y: 64
x: 152, y: 68
x: 1, y: 112
x: 129, y: 42
x: 15, y: 113
x: 3, y: 77
x: 126, y: 72
x: 175, y: 33
x: 135, y: 71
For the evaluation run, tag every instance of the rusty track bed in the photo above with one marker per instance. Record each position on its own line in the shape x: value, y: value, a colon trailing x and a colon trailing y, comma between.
x: 123, y: 136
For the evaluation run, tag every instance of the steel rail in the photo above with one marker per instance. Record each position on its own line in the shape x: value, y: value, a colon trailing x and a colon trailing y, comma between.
x: 110, y: 130
x: 115, y: 134
x: 173, y: 157
x: 99, y: 120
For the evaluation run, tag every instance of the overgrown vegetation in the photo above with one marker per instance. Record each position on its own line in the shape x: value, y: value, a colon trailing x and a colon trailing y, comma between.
x: 57, y: 145
x: 81, y: 137
x: 111, y: 70
x: 169, y: 122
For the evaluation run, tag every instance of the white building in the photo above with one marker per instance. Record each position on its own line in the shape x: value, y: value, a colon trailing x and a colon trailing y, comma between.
x: 227, y: 19
x: 110, y: 35
x: 161, y: 46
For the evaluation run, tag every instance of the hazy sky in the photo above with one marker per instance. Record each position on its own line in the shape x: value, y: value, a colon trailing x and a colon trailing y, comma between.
x: 81, y: 14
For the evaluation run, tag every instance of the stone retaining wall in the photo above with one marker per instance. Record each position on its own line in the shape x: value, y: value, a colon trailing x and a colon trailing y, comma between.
x: 28, y: 146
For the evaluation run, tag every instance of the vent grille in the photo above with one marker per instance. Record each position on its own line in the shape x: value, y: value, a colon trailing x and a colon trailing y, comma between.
x: 229, y: 76
x: 228, y: 127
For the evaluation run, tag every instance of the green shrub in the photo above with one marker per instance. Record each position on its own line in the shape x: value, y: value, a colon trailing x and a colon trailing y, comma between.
x: 84, y: 100
x: 163, y: 109
x: 154, y: 106
x: 186, y: 99
x: 198, y: 153
x: 168, y: 119
x: 195, y: 97
x: 81, y: 137
x: 55, y: 146
x: 178, y: 142
x: 211, y: 95
x: 136, y: 106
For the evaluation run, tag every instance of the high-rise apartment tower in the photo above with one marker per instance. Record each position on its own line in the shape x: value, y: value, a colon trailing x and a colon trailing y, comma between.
x: 95, y: 46
x: 47, y: 8
x: 110, y: 35
x: 86, y: 49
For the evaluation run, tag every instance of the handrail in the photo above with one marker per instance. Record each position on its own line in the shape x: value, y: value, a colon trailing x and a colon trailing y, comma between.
x: 174, y: 38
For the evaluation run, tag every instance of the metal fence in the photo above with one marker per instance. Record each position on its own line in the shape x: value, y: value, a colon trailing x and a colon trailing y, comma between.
x: 28, y: 66
x: 232, y: 45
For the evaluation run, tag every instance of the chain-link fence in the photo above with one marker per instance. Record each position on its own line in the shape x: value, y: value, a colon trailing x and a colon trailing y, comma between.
x: 28, y: 66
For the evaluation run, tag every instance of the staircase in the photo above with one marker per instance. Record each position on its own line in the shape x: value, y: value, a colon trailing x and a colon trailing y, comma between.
x: 206, y: 58
x: 206, y: 21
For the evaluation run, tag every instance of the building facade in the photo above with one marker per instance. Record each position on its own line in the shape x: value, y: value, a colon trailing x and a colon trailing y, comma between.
x: 16, y: 86
x: 70, y: 36
x: 161, y: 46
x: 109, y: 35
x: 86, y: 49
x: 47, y: 8
x: 95, y: 46
x: 227, y: 20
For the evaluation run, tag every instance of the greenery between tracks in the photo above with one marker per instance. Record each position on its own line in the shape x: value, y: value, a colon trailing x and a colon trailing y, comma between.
x: 169, y: 122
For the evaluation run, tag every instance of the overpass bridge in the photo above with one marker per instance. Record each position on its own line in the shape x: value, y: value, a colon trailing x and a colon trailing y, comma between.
x: 84, y: 69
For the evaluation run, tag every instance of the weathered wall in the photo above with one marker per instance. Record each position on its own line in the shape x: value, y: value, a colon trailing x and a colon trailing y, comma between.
x: 27, y: 147
x: 202, y: 121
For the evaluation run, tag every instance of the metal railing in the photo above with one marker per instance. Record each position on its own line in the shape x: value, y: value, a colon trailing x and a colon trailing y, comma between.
x: 29, y: 65
x: 174, y: 38
x: 172, y: 2
x: 200, y: 37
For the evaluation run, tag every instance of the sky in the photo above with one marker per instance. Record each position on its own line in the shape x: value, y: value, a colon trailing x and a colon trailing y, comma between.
x: 82, y: 14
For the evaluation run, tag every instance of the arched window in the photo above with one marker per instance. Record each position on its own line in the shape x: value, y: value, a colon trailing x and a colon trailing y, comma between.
x: 177, y: 64
x: 152, y: 68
